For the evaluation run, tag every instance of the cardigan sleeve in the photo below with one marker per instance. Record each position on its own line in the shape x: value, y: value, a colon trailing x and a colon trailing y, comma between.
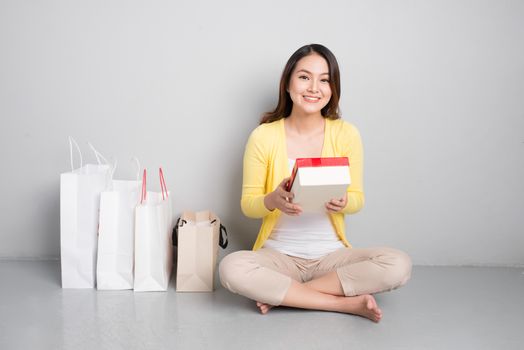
x: 353, y: 150
x: 255, y: 172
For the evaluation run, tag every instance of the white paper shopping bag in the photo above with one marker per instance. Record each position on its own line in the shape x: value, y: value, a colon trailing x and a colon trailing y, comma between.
x: 116, y: 234
x: 79, y: 207
x: 153, y: 242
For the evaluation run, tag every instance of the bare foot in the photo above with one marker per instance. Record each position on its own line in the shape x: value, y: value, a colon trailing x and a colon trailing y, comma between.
x: 362, y: 305
x: 264, y: 308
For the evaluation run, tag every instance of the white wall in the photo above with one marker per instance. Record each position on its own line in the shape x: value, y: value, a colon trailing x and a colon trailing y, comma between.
x: 435, y: 87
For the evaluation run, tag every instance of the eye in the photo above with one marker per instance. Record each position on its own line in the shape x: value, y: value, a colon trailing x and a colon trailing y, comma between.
x: 303, y: 77
x: 325, y: 81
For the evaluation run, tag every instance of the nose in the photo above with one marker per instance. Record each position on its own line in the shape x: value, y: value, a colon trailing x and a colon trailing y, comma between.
x: 313, y: 87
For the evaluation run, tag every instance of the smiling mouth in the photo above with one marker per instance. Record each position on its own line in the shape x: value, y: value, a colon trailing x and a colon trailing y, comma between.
x: 311, y: 98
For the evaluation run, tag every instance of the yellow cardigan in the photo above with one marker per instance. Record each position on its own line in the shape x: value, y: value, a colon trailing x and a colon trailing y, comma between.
x: 266, y: 165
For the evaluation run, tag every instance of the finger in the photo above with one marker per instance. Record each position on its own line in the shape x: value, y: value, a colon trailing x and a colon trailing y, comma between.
x: 333, y: 208
x: 284, y: 182
x: 292, y: 207
x: 284, y: 202
x: 297, y: 211
x: 337, y: 201
x: 334, y: 204
x: 282, y: 192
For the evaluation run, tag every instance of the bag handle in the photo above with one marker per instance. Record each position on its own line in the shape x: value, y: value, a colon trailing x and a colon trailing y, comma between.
x: 222, y: 238
x: 221, y: 241
x: 71, y: 142
x: 162, y: 184
x: 138, y: 168
x: 175, y: 231
x: 137, y: 163
x: 99, y: 156
x: 144, y: 189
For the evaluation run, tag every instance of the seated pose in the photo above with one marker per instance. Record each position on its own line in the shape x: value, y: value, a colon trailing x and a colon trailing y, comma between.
x: 304, y: 260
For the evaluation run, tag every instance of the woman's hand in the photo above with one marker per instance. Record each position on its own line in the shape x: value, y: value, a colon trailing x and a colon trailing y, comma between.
x: 281, y: 199
x: 336, y: 205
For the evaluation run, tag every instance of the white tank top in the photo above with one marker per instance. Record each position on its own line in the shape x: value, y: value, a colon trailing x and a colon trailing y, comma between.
x: 308, y: 236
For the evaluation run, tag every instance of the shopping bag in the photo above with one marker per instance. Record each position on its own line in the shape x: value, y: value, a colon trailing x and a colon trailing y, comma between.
x: 153, y: 244
x: 116, y: 234
x: 198, y: 236
x: 79, y: 207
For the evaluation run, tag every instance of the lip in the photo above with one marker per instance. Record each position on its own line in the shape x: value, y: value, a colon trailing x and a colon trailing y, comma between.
x: 311, y: 99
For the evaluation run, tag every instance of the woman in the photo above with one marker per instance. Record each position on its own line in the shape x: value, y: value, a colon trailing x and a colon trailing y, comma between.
x: 304, y: 260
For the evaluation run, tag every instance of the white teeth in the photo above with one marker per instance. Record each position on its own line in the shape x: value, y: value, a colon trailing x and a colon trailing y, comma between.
x: 311, y: 98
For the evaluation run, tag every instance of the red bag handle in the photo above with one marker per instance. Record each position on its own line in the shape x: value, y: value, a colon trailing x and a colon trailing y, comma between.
x: 144, y: 189
x: 163, y: 186
x: 162, y: 183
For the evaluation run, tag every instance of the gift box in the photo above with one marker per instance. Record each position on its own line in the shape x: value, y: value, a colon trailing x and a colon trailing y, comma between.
x: 315, y: 181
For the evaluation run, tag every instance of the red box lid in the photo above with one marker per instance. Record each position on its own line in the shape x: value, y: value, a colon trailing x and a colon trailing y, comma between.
x: 315, y: 162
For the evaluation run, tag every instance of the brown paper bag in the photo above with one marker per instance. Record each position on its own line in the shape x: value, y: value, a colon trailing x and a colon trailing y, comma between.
x: 198, y: 236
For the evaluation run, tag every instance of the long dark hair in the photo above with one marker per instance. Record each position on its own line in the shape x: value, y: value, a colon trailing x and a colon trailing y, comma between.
x: 285, y: 104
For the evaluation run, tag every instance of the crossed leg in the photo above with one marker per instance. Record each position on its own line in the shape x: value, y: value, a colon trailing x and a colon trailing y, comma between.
x: 344, y: 283
x: 325, y: 293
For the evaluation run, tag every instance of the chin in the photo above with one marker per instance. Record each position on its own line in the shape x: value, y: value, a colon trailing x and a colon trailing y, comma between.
x: 312, y: 110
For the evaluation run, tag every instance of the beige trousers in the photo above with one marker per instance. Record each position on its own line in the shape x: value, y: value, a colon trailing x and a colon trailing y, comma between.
x: 265, y: 275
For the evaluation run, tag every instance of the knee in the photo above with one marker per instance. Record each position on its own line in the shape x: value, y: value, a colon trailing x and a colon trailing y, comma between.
x: 398, y: 266
x: 231, y: 269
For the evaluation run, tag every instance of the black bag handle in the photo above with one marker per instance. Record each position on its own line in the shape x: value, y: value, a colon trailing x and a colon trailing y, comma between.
x: 222, y: 242
x: 175, y: 231
x: 222, y: 239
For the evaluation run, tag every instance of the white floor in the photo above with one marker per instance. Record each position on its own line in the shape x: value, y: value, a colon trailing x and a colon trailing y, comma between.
x: 440, y: 308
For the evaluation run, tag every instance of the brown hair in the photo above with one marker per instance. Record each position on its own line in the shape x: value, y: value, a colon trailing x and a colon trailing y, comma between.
x: 285, y: 104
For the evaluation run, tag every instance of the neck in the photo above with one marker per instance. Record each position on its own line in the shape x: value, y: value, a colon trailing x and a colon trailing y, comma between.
x: 305, y: 123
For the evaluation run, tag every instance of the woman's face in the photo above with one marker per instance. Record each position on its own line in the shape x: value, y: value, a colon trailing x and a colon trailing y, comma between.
x: 309, y: 87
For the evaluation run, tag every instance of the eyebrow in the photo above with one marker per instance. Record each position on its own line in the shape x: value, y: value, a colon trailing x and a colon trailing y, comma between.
x: 306, y: 71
